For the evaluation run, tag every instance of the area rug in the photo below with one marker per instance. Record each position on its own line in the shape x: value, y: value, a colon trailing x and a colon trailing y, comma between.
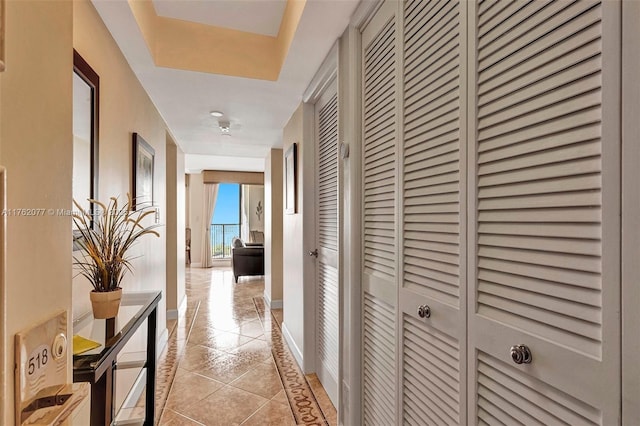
x: 304, y: 406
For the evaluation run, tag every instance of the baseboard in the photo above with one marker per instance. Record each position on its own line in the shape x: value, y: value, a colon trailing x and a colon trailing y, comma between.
x: 196, y: 265
x: 174, y: 314
x: 271, y: 304
x: 295, y: 350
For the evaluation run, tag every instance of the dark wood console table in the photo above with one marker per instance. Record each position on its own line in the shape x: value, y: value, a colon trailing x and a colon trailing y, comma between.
x: 98, y: 366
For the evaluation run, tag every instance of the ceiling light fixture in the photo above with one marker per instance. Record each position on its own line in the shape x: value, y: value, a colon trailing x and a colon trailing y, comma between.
x: 224, y: 127
x: 216, y: 113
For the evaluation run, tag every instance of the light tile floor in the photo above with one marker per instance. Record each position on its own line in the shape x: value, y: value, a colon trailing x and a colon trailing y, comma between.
x: 226, y: 373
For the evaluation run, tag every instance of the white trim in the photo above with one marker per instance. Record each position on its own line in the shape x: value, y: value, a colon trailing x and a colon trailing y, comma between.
x: 271, y: 304
x: 364, y: 12
x: 351, y: 224
x: 295, y: 350
x: 173, y: 314
x: 277, y: 304
x: 630, y: 208
x: 324, y: 76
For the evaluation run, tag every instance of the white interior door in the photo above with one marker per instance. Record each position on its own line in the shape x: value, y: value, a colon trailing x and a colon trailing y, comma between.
x: 379, y: 162
x: 433, y: 338
x: 327, y: 310
x: 498, y: 209
x: 545, y: 201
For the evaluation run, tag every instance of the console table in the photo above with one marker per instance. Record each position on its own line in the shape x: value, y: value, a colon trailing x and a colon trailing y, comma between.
x: 98, y: 366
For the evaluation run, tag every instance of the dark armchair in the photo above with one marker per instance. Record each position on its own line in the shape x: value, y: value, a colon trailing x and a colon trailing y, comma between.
x: 247, y: 260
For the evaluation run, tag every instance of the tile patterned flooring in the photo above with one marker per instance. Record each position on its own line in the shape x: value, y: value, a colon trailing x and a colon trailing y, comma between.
x: 226, y: 361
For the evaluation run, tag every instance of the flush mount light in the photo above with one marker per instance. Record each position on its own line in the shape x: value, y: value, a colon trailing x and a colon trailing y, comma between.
x: 224, y: 127
x: 216, y: 113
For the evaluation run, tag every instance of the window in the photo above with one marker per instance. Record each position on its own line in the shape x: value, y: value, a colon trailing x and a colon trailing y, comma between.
x: 225, y: 223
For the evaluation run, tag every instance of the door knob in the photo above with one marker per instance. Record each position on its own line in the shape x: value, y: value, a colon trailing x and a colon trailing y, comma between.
x: 520, y: 354
x: 424, y: 311
x: 313, y: 253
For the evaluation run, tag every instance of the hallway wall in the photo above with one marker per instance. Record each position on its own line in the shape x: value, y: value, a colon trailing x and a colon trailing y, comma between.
x: 36, y: 148
x: 124, y: 108
x: 299, y: 238
x: 273, y: 219
x: 175, y: 228
x: 196, y: 188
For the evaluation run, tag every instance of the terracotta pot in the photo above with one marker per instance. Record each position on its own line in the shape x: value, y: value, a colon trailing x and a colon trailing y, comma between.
x: 105, y: 304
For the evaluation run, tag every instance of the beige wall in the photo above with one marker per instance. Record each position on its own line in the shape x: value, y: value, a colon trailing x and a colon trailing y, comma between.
x: 124, y: 108
x: 299, y: 234
x: 256, y: 195
x: 273, y: 228
x: 175, y: 228
x: 196, y: 191
x: 36, y: 148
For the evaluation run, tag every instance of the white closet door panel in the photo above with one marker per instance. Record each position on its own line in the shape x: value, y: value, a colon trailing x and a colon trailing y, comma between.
x: 431, y: 376
x: 379, y: 247
x: 379, y: 364
x: 433, y: 204
x: 327, y: 277
x: 507, y: 395
x: 544, y: 257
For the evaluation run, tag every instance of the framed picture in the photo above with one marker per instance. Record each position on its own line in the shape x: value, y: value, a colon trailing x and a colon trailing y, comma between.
x: 290, y: 179
x: 142, y: 185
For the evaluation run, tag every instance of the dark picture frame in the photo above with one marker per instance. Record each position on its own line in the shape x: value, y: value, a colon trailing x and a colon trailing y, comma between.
x: 291, y: 179
x: 142, y: 173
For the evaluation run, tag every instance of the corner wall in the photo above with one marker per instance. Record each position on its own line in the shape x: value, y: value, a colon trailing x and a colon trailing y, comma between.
x: 299, y: 233
x: 273, y: 219
x: 196, y: 191
x: 36, y: 148
x: 175, y: 228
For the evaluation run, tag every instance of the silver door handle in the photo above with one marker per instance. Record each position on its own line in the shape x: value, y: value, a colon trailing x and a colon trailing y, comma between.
x: 313, y: 253
x: 424, y: 311
x: 521, y: 354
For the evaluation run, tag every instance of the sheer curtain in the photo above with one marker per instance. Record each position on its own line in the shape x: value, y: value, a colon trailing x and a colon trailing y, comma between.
x: 208, y: 206
x: 245, y: 213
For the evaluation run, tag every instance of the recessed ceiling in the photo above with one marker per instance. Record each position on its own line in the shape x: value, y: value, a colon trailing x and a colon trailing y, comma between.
x: 256, y: 109
x: 258, y: 16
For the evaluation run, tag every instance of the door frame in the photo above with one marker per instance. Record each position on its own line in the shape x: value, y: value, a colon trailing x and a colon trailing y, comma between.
x: 326, y: 81
x: 350, y: 217
x: 630, y: 411
x: 326, y: 75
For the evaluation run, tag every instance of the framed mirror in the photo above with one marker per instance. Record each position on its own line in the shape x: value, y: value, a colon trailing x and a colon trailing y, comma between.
x: 86, y: 101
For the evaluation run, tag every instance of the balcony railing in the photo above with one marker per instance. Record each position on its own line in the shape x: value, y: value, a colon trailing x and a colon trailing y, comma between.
x: 221, y: 237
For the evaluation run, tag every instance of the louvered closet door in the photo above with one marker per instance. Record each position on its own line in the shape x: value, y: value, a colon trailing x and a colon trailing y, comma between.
x: 326, y: 113
x: 545, y: 201
x: 434, y: 216
x: 379, y: 68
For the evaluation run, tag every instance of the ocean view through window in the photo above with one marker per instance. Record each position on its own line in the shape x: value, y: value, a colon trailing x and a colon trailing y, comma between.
x: 225, y: 223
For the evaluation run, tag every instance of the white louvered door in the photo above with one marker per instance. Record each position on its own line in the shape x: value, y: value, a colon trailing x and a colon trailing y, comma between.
x: 327, y: 309
x: 379, y: 97
x: 433, y: 362
x: 491, y: 194
x: 544, y: 256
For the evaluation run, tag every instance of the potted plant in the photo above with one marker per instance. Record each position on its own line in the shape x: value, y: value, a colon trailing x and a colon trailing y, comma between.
x: 104, y: 240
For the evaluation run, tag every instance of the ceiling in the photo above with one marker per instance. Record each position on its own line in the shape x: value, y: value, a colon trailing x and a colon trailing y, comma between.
x: 256, y: 109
